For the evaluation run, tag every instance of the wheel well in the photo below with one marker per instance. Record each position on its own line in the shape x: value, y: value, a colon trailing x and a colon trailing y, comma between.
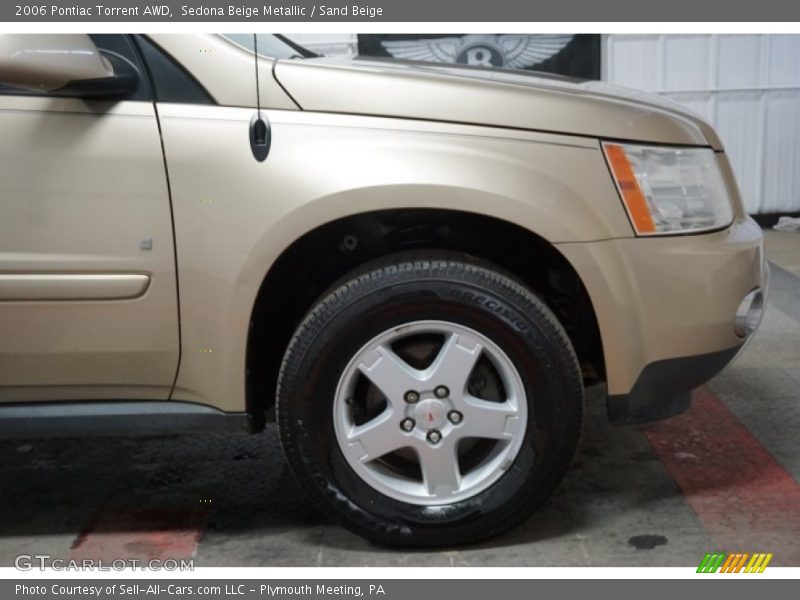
x: 308, y: 267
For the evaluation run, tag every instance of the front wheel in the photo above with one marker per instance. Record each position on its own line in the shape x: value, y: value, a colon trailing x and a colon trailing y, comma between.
x: 429, y: 402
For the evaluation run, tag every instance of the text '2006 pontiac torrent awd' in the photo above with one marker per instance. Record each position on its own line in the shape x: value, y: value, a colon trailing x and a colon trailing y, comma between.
x: 414, y: 269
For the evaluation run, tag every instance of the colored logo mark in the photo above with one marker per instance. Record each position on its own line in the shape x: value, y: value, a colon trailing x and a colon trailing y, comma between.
x: 734, y: 562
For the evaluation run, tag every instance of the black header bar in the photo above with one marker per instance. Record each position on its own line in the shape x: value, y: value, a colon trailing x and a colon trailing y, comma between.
x: 387, y: 11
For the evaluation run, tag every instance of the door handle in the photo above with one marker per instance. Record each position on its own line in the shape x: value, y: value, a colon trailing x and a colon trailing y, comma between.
x: 260, y: 136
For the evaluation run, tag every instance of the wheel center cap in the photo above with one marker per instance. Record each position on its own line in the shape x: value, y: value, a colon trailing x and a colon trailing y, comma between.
x: 430, y: 413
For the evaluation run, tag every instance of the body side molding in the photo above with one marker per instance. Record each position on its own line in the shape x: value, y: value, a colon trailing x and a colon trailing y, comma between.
x: 72, y: 286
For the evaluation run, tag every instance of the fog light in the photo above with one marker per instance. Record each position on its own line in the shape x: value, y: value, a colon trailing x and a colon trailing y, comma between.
x: 749, y: 313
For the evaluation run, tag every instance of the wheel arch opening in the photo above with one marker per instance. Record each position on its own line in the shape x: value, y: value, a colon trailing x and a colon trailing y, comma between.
x: 315, y: 261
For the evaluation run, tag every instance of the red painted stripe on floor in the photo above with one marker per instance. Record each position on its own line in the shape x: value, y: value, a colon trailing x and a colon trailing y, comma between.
x: 141, y: 534
x: 745, y: 499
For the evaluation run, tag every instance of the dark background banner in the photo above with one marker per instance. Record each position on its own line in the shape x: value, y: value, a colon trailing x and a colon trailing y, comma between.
x: 562, y: 54
x: 398, y: 10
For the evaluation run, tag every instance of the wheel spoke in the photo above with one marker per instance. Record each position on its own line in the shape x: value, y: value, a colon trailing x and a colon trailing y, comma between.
x: 440, y: 470
x: 455, y: 361
x: 375, y: 438
x: 390, y: 374
x: 484, y: 419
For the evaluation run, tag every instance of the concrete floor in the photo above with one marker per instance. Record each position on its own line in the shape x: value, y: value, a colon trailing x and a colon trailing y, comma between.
x: 620, y: 505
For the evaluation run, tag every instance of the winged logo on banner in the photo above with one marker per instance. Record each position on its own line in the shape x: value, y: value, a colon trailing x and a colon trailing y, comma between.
x: 511, y: 51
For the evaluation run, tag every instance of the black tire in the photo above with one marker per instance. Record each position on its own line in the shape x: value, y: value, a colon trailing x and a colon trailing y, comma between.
x: 399, y: 290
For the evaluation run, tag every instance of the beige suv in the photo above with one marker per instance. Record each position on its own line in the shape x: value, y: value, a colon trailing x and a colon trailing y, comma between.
x: 416, y: 268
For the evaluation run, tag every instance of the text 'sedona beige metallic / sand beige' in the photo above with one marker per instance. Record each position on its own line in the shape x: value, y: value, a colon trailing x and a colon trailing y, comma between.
x: 414, y: 269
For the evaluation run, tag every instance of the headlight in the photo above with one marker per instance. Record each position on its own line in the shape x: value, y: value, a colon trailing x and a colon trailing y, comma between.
x: 669, y: 190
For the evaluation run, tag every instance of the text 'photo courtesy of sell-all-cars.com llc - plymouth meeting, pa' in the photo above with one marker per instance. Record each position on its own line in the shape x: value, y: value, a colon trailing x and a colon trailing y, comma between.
x: 414, y: 269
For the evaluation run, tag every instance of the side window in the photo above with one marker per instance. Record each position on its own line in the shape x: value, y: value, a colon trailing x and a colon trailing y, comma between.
x: 122, y: 54
x: 270, y: 45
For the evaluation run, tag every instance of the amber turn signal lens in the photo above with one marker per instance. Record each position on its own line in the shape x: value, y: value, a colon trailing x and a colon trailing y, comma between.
x: 629, y: 189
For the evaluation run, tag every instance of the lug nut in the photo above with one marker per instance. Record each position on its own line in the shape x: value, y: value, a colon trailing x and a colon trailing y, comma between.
x: 455, y: 417
x: 434, y: 437
x: 407, y: 424
x: 412, y: 397
x: 441, y: 392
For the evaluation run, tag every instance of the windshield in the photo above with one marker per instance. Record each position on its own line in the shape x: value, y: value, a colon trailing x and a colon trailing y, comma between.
x: 270, y: 45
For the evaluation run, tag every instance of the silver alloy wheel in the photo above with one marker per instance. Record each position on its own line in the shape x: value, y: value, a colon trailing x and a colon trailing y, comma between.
x: 442, y: 426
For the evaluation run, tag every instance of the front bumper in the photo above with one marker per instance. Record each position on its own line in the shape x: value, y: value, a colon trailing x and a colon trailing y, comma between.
x: 665, y: 309
x: 664, y: 387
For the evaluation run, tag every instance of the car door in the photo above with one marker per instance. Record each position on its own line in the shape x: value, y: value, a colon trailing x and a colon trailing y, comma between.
x: 88, y: 292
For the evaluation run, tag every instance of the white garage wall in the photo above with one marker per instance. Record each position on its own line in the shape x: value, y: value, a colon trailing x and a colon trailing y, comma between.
x: 747, y: 86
